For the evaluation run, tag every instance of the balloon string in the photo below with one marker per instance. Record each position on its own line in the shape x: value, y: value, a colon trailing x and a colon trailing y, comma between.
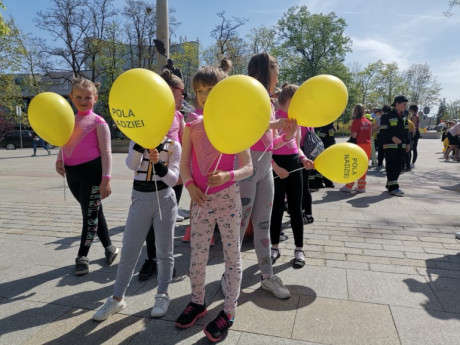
x: 207, y: 188
x: 156, y: 188
x: 292, y: 171
x: 266, y: 149
x: 63, y: 177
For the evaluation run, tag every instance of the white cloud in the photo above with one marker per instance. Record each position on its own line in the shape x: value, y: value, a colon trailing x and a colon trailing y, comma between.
x: 366, y: 50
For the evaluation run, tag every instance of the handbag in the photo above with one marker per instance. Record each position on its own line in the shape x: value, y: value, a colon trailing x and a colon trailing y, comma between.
x: 312, y: 145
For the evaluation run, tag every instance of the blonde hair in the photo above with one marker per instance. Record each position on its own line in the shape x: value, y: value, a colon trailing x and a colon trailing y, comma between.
x: 287, y: 93
x: 211, y: 75
x: 83, y: 83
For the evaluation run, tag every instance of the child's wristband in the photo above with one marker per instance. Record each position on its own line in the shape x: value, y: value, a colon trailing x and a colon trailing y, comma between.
x: 107, y: 177
x: 232, y: 175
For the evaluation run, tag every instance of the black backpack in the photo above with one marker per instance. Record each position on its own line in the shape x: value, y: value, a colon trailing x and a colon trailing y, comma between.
x: 312, y: 145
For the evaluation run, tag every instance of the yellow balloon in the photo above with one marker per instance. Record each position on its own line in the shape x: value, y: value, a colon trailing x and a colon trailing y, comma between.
x: 51, y: 117
x: 236, y: 113
x: 142, y: 106
x: 343, y: 163
x: 319, y: 101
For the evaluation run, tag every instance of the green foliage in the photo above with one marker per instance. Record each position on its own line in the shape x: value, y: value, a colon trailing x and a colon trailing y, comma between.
x: 4, y: 29
x: 311, y: 44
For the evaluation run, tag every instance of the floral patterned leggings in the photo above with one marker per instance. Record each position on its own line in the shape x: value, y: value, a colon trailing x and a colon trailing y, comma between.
x: 223, y: 208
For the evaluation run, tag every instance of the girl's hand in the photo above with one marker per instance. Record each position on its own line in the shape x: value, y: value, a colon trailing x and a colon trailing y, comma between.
x: 218, y: 178
x: 105, y: 189
x: 60, y: 168
x: 154, y: 156
x: 307, y: 163
x: 196, y: 194
x: 278, y: 124
x: 281, y: 172
x: 290, y: 129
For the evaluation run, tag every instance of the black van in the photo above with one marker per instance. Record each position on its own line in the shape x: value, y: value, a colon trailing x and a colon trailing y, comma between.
x: 11, y: 140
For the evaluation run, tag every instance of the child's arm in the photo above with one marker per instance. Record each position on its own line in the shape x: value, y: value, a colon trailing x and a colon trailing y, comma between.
x: 219, y: 177
x: 196, y: 194
x: 105, y: 147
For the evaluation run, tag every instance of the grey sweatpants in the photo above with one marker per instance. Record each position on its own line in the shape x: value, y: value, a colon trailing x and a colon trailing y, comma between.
x: 142, y: 213
x: 257, y: 201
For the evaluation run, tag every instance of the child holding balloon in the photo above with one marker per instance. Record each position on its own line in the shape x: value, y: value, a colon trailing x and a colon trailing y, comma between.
x: 156, y: 172
x: 287, y: 163
x: 86, y: 161
x: 175, y: 133
x: 361, y: 129
x: 210, y: 178
x: 257, y: 191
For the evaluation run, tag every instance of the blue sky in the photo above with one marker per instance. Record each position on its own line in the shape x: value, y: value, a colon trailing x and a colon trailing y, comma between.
x: 402, y: 31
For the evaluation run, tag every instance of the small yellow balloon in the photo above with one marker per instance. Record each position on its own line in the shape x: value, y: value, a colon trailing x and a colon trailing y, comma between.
x: 142, y: 106
x: 236, y: 113
x: 343, y: 163
x: 319, y: 101
x: 51, y: 117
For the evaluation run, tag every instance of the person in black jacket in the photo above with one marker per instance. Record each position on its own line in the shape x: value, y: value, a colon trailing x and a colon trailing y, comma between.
x: 394, y: 133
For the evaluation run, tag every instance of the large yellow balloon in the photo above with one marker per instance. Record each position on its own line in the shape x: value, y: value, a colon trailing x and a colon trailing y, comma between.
x: 343, y: 163
x: 236, y: 113
x: 142, y: 106
x: 51, y: 117
x: 319, y: 101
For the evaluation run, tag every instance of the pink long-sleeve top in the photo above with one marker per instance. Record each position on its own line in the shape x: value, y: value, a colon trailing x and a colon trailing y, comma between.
x: 193, y: 116
x: 291, y: 146
x: 90, y: 139
x: 199, y: 158
x: 268, y: 142
x: 177, y: 127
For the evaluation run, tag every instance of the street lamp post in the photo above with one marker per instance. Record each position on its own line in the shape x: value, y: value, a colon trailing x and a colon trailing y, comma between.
x: 162, y: 32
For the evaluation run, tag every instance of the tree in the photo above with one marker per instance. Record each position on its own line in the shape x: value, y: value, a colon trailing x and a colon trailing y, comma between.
x: 261, y: 40
x: 10, y: 92
x: 186, y: 58
x: 141, y: 31
x: 442, y: 112
x: 422, y: 87
x: 311, y: 44
x: 364, y: 81
x: 3, y: 26
x: 75, y: 24
x: 389, y: 84
x: 226, y: 33
x: 450, y: 10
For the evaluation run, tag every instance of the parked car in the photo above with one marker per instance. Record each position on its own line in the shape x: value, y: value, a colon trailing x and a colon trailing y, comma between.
x: 12, y: 140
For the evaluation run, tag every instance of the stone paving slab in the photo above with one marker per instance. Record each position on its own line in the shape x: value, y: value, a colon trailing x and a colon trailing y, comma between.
x: 379, y: 269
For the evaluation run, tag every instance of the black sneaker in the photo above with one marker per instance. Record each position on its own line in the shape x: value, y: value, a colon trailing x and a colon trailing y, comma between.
x: 148, y: 269
x: 190, y: 314
x: 81, y: 266
x: 215, y: 329
x: 111, y: 252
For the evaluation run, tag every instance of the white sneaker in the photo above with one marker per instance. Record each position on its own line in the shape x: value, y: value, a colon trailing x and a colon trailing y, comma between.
x: 397, y: 192
x: 179, y: 218
x: 275, y: 286
x: 160, y: 308
x: 110, y: 307
x: 346, y: 189
x: 183, y: 213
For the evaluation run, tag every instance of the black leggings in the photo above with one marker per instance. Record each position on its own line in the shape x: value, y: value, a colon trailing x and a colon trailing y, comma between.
x: 414, y: 146
x: 84, y: 180
x: 306, y: 195
x: 291, y: 187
